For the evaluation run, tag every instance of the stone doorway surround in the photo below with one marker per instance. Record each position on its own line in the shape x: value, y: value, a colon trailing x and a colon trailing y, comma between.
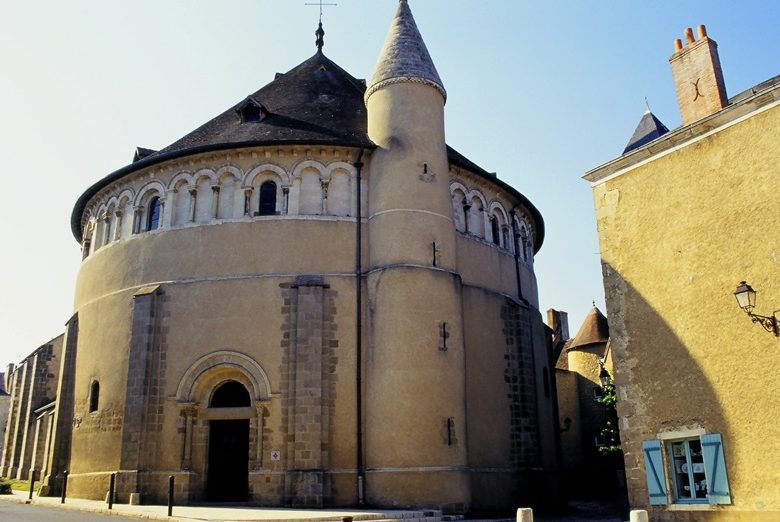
x: 196, y: 418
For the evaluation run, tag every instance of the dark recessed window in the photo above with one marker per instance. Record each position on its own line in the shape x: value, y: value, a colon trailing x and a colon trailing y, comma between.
x: 153, y: 214
x: 230, y: 394
x: 94, y: 396
x: 494, y: 230
x: 267, y: 199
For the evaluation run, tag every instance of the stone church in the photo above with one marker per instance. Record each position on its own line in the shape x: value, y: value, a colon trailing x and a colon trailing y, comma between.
x: 311, y: 300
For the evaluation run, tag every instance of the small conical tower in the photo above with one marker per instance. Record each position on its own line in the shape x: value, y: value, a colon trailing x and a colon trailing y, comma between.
x: 648, y: 129
x: 415, y: 430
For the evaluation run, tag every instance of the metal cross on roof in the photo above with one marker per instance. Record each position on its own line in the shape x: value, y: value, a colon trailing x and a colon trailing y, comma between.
x: 320, y: 32
x: 321, y: 4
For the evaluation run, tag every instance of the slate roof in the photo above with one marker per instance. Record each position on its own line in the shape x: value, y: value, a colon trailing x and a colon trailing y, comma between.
x: 594, y: 329
x: 317, y: 102
x: 404, y: 56
x: 649, y: 128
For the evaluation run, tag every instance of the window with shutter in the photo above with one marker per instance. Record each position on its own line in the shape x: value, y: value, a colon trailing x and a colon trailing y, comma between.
x: 654, y: 467
x: 696, y: 467
x: 715, y: 469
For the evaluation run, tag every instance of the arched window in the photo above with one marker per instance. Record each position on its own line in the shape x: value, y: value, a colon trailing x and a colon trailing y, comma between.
x: 153, y: 214
x: 267, y: 199
x: 94, y: 396
x: 494, y: 230
x: 230, y: 394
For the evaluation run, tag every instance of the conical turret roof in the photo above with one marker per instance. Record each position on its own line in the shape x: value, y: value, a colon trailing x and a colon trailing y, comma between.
x: 404, y: 56
x: 594, y: 330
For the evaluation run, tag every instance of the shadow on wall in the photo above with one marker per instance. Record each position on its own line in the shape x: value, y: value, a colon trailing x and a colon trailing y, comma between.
x: 661, y: 385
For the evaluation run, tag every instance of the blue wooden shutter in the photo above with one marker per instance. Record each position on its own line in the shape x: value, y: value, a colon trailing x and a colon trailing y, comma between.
x: 654, y: 467
x: 715, y: 469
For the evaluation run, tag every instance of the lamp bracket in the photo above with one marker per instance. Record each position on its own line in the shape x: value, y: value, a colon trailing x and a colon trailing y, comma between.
x: 769, y: 323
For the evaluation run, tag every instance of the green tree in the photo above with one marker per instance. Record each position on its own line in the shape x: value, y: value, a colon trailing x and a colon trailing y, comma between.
x: 610, y: 434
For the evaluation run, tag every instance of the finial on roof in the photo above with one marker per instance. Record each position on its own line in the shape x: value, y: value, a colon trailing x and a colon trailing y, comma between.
x: 594, y: 303
x: 320, y: 32
x: 647, y: 106
x: 320, y: 42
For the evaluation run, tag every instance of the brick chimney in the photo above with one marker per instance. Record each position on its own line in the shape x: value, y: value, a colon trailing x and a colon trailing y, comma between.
x: 698, y: 78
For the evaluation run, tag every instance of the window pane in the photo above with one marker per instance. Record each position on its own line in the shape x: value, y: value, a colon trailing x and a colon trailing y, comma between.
x: 154, y: 214
x: 690, y: 483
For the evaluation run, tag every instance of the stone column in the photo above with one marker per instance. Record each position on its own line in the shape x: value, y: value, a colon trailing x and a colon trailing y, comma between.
x: 118, y: 226
x: 248, y: 201
x: 193, y: 202
x: 286, y: 198
x: 325, y: 183
x: 137, y: 214
x: 259, y: 408
x: 106, y: 219
x: 190, y: 417
x: 214, y: 201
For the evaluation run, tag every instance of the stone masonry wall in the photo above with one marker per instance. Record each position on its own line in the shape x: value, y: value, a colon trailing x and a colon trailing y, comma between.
x: 308, y: 380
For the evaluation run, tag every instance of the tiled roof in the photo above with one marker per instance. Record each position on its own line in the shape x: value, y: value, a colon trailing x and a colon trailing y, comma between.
x: 595, y: 329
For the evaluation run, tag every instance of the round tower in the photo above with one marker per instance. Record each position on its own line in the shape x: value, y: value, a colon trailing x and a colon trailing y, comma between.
x: 415, y: 447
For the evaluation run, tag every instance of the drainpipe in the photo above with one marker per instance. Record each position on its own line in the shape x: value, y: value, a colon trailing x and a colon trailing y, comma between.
x: 361, y: 472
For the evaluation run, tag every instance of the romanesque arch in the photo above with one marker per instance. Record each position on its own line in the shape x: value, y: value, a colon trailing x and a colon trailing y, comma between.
x: 216, y: 367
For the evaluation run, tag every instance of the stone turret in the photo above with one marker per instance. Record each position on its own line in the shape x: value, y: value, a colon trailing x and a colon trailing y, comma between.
x: 415, y: 323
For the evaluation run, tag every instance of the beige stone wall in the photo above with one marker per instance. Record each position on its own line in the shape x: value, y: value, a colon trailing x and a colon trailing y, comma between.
x: 206, y: 298
x: 677, y: 234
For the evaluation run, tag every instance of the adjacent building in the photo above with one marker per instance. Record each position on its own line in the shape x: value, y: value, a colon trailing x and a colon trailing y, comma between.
x: 28, y: 423
x: 683, y: 216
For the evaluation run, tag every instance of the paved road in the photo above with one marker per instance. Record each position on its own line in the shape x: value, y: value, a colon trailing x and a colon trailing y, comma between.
x: 10, y: 512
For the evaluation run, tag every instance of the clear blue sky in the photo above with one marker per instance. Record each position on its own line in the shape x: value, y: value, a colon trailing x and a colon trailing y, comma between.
x: 539, y: 92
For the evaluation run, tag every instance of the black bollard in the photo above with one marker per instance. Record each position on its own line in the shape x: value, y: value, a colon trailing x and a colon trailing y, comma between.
x: 32, y: 483
x: 111, y: 484
x: 64, y: 485
x: 170, y: 496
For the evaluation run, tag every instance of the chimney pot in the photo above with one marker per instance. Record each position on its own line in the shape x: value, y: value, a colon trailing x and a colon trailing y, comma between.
x: 702, y: 32
x: 677, y: 45
x: 689, y: 36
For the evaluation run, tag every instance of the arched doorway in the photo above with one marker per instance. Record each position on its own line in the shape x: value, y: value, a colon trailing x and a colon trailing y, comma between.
x: 228, y: 458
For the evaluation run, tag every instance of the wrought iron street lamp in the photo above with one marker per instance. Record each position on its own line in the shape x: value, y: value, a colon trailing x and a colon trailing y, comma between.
x: 746, y: 298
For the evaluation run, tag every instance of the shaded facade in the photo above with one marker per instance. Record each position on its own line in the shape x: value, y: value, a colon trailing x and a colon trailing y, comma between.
x: 682, y: 220
x: 581, y: 365
x: 311, y: 300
